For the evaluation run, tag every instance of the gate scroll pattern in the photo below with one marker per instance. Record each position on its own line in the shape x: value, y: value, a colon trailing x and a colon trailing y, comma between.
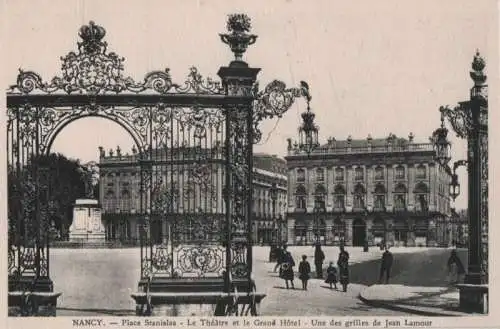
x: 195, y: 147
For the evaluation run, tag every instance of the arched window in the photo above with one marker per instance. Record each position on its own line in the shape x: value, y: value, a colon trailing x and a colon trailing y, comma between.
x: 400, y: 197
x: 301, y: 175
x: 300, y: 197
x: 421, y: 172
x: 379, y: 197
x: 319, y: 196
x: 339, y: 174
x: 359, y: 197
x: 359, y: 174
x: 400, y: 173
x: 421, y: 193
x: 379, y: 173
x: 339, y: 198
x: 320, y: 175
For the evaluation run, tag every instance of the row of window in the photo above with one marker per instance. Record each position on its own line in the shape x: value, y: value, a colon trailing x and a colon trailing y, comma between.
x: 360, y: 189
x: 359, y: 173
x: 421, y: 202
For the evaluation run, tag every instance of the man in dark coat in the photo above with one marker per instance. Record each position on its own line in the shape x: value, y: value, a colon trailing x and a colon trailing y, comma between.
x: 319, y: 257
x: 343, y: 264
x: 385, y: 267
x: 279, y: 258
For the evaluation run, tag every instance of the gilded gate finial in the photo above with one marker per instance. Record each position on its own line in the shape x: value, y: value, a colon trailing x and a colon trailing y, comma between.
x: 239, y: 39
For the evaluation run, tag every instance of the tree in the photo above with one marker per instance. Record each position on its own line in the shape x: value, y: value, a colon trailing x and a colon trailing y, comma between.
x: 60, y: 180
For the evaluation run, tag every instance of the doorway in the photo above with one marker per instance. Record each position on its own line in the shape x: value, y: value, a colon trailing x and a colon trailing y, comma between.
x: 358, y: 232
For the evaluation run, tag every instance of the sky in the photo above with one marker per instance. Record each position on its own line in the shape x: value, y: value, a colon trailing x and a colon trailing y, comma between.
x: 373, y: 67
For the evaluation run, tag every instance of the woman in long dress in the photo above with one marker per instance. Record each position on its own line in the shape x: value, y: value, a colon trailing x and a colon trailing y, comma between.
x: 286, y: 271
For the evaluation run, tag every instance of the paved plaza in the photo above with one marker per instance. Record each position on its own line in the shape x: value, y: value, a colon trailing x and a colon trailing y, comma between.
x: 100, y: 281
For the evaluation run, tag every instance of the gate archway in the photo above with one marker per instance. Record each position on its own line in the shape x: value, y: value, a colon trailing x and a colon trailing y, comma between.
x: 195, y: 148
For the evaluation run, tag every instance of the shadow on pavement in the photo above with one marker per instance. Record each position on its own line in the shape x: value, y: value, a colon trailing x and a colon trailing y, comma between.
x: 427, y: 268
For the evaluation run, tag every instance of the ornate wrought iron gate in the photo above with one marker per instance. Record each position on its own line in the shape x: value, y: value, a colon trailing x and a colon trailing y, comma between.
x: 195, y: 145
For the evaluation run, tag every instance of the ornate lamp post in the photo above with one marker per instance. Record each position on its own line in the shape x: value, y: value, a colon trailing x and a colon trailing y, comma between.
x: 470, y: 121
x: 274, y: 243
x: 308, y: 131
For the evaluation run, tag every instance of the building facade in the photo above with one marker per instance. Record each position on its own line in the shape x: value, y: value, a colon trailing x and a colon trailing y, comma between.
x: 368, y: 191
x: 183, y: 191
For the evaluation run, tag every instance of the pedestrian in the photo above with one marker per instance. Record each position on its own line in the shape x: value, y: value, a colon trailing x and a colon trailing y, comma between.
x: 279, y: 258
x: 304, y: 271
x: 455, y: 267
x: 319, y: 257
x: 385, y: 267
x: 343, y: 264
x: 331, y: 275
x: 286, y: 270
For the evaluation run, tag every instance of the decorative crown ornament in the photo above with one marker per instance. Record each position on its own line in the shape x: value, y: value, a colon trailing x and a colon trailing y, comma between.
x: 239, y: 39
x: 92, y: 35
x: 478, y: 65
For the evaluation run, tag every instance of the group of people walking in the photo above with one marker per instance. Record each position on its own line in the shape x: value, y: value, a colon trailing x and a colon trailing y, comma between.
x: 286, y: 264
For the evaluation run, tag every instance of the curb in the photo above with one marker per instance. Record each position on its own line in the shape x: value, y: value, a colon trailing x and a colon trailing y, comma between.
x: 407, y: 309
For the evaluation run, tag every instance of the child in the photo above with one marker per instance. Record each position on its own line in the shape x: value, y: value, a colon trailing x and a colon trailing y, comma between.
x: 331, y: 275
x: 304, y: 270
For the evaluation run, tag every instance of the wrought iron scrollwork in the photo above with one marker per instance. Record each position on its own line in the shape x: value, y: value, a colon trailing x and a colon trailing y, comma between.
x: 93, y: 70
x: 275, y: 100
x: 200, y: 260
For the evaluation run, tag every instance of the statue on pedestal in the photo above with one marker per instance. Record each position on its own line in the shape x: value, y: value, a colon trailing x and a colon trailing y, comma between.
x: 90, y: 177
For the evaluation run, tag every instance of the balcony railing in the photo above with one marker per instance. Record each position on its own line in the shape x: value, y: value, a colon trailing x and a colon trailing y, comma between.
x: 365, y: 149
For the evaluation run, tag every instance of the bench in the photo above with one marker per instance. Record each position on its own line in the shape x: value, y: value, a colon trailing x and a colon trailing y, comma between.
x: 473, y: 297
x: 29, y: 303
x: 207, y: 291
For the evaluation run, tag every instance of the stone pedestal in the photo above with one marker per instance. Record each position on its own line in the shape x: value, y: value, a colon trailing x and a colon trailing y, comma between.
x: 87, y: 222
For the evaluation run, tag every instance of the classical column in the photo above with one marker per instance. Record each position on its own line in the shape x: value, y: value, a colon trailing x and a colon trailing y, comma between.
x: 369, y: 233
x: 348, y: 231
x: 291, y: 230
x: 329, y: 232
x: 410, y: 239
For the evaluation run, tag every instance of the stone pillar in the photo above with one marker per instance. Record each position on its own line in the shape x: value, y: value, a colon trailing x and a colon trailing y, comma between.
x: 369, y: 235
x: 329, y: 231
x: 349, y: 187
x: 291, y: 230
x: 410, y: 239
x: 410, y: 185
x: 433, y: 187
x: 348, y: 231
x: 389, y: 235
x: 370, y: 186
x: 390, y: 187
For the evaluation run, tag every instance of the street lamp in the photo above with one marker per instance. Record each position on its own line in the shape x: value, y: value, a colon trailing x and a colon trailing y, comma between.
x: 470, y: 121
x: 454, y: 184
x: 308, y: 131
x: 441, y: 144
x: 273, y: 192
